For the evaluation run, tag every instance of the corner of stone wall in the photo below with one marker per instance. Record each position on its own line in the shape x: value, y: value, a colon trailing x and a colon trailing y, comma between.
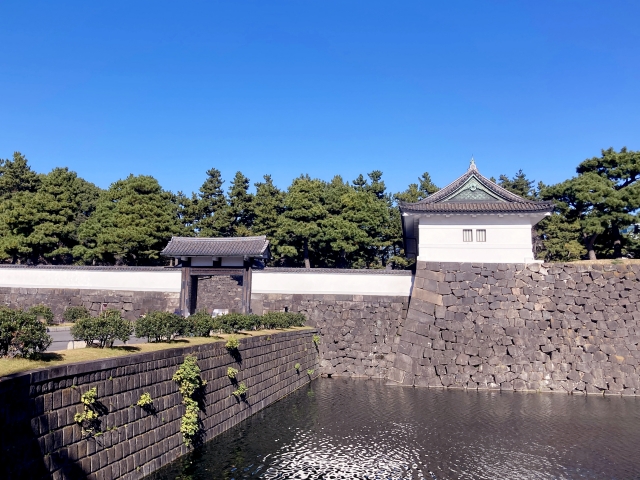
x: 543, y: 327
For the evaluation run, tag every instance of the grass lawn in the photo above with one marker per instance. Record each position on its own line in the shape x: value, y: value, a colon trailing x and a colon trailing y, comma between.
x: 15, y: 365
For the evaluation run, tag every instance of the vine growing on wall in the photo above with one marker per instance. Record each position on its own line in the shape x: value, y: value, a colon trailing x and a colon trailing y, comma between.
x: 88, y: 418
x: 189, y: 383
x: 241, y: 391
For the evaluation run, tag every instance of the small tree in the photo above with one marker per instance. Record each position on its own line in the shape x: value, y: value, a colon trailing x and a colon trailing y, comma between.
x: 160, y: 326
x: 72, y: 314
x: 42, y: 312
x: 200, y: 324
x: 108, y: 327
x: 21, y: 333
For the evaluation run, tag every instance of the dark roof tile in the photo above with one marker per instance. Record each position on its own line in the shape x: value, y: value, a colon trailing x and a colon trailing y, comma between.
x: 216, y: 247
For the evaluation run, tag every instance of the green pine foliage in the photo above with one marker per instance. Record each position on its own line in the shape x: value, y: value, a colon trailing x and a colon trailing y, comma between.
x: 59, y: 218
x: 133, y: 221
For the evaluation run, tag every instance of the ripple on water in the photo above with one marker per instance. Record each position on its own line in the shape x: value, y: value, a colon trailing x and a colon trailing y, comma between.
x: 363, y: 429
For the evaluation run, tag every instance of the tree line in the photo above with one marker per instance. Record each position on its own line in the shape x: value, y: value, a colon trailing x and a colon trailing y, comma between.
x: 60, y: 218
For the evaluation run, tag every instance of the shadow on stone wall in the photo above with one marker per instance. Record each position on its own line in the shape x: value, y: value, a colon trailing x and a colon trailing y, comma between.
x: 40, y: 439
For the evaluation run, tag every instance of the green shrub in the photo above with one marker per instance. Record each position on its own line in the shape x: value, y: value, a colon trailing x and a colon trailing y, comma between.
x: 233, y: 343
x: 234, y: 322
x: 232, y: 372
x: 189, y: 382
x: 160, y: 326
x: 43, y: 312
x: 316, y: 339
x: 104, y: 329
x: 201, y: 324
x: 145, y: 401
x: 88, y: 418
x: 241, y: 391
x: 189, y: 426
x: 297, y: 367
x: 188, y: 376
x: 279, y: 320
x: 71, y: 314
x: 310, y: 372
x: 21, y: 333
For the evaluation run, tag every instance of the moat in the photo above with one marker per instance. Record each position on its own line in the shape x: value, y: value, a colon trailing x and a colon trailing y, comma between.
x: 365, y: 429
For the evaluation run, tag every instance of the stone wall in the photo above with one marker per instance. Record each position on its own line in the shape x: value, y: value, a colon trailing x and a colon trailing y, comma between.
x: 131, y: 304
x: 550, y: 327
x: 359, y: 332
x: 219, y: 292
x: 39, y: 438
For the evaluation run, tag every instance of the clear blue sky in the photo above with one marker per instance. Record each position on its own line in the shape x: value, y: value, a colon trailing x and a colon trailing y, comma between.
x: 171, y: 89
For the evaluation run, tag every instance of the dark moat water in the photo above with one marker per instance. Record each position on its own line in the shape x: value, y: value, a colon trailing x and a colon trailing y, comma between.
x: 344, y: 429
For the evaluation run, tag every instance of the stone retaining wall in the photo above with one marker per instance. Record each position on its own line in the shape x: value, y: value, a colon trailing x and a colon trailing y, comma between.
x: 550, y: 327
x: 39, y: 439
x: 131, y: 304
x: 359, y: 332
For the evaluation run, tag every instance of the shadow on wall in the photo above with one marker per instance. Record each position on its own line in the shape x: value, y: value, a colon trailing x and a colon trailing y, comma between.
x: 40, y: 438
x: 20, y: 453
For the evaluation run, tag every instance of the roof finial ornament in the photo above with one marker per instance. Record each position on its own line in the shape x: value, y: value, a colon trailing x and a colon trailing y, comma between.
x: 472, y: 164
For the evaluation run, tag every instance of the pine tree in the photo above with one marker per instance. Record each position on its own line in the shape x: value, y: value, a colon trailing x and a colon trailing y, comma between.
x: 186, y: 210
x: 519, y: 184
x: 16, y: 176
x: 133, y: 221
x: 339, y: 237
x: 300, y: 224
x: 240, y: 205
x: 212, y: 215
x: 41, y: 226
x: 603, y: 198
x: 417, y: 191
x: 268, y: 205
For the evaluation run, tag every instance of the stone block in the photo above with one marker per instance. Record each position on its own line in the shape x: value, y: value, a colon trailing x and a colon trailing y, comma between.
x: 427, y: 296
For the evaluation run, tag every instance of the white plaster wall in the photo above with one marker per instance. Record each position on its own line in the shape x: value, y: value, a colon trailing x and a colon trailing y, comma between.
x: 508, y: 239
x: 133, y: 280
x: 331, y: 283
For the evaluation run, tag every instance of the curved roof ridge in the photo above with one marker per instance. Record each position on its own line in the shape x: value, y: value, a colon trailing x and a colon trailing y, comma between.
x: 220, y: 239
x: 451, y: 188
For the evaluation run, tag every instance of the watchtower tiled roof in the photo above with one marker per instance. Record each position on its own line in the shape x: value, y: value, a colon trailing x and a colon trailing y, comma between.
x: 216, y: 247
x: 473, y: 193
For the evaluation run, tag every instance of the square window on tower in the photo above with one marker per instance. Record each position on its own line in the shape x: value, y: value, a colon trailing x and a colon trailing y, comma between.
x: 467, y: 235
x: 481, y: 235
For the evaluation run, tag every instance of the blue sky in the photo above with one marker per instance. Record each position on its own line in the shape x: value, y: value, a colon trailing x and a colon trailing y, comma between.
x: 172, y: 89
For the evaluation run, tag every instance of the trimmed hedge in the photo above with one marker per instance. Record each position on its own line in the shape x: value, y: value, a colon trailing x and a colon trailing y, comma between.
x: 203, y: 325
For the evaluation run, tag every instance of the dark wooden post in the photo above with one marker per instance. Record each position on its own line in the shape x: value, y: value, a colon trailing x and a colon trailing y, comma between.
x: 185, y: 290
x: 246, y: 286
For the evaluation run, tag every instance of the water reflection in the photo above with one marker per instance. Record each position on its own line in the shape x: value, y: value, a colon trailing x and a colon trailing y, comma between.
x: 363, y: 429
